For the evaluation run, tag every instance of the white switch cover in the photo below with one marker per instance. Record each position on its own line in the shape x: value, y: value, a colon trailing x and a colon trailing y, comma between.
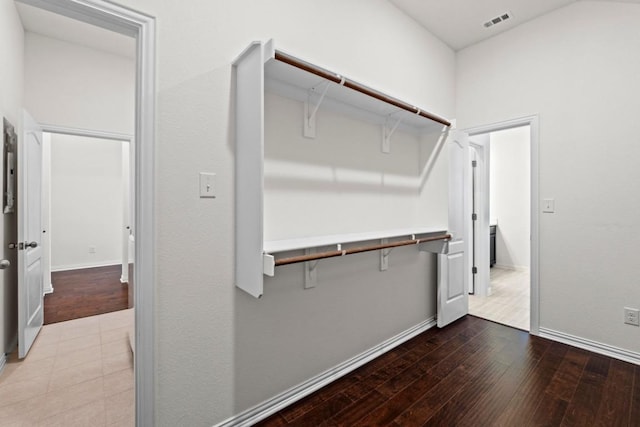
x: 207, y: 184
x: 549, y: 205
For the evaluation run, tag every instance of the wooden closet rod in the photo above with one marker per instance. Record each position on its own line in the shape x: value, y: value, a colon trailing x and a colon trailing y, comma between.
x: 283, y: 57
x: 357, y: 250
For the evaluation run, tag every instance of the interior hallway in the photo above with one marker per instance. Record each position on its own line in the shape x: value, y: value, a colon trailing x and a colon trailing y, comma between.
x: 509, y: 300
x: 78, y: 373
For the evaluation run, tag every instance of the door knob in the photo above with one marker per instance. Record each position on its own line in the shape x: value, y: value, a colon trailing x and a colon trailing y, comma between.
x: 31, y: 245
x: 4, y: 263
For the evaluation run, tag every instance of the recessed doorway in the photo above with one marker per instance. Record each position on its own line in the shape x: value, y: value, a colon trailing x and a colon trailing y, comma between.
x: 504, y: 224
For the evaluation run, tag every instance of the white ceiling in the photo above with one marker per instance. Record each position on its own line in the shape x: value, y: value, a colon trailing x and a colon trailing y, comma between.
x: 70, y: 30
x: 459, y: 23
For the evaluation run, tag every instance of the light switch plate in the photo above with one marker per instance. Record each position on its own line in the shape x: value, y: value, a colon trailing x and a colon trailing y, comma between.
x: 207, y: 185
x: 548, y: 205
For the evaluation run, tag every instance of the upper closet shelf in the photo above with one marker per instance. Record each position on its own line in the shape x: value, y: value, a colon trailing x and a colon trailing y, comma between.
x: 317, y: 87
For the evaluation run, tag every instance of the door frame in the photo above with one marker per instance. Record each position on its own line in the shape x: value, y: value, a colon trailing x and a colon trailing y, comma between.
x: 533, y: 122
x: 135, y: 24
x: 112, y: 136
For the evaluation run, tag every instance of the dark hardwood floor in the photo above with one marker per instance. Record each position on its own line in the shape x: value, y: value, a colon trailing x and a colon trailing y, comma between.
x: 86, y: 292
x: 476, y: 373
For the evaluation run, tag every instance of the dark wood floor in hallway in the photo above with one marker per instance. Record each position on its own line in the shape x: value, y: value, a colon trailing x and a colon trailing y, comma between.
x: 476, y: 373
x: 85, y: 292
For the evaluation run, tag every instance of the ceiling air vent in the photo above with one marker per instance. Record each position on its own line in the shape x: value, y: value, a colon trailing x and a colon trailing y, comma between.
x: 498, y: 19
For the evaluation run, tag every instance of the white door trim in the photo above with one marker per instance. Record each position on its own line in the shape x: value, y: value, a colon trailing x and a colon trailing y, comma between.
x: 88, y: 133
x: 532, y: 121
x: 141, y: 26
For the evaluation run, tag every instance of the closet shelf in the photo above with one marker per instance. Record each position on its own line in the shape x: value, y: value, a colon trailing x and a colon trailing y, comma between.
x: 434, y: 237
x: 297, y: 79
x: 277, y: 246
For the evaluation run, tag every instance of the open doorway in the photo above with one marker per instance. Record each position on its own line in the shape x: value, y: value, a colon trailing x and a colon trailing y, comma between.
x: 504, y: 186
x: 48, y: 393
x: 87, y: 230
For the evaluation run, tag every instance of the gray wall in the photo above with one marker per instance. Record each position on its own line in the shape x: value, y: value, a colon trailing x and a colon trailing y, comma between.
x: 577, y: 68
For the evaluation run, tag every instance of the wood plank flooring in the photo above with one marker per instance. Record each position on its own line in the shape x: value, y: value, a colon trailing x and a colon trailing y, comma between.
x: 476, y: 373
x: 85, y: 292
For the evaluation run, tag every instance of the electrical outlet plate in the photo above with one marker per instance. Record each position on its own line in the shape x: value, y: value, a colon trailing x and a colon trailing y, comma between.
x: 632, y: 316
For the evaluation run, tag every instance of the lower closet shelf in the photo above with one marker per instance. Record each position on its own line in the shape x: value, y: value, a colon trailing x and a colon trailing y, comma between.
x: 435, y: 236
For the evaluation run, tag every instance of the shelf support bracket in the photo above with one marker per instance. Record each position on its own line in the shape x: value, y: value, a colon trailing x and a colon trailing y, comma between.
x: 384, y: 256
x: 310, y: 271
x: 310, y: 112
x: 387, y: 132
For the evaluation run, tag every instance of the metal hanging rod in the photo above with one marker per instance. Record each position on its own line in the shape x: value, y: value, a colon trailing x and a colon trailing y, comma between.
x: 343, y: 81
x: 357, y: 250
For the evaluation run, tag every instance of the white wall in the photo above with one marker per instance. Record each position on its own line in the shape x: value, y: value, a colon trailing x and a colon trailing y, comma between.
x: 340, y: 181
x: 86, y: 202
x: 233, y: 343
x: 75, y: 86
x: 11, y: 83
x: 509, y: 193
x: 578, y: 69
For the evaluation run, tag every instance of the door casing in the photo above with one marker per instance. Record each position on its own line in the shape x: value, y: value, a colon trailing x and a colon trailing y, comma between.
x: 129, y: 22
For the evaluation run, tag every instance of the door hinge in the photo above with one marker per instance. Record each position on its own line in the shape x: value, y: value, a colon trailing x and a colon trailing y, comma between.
x: 474, y: 270
x: 474, y: 217
x: 474, y: 163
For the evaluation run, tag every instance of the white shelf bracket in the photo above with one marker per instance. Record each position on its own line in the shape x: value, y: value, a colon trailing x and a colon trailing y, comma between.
x: 310, y: 271
x: 384, y: 256
x: 310, y: 115
x: 387, y: 132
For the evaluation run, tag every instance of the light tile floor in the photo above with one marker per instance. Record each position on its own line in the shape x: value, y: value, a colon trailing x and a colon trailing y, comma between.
x: 78, y: 373
x: 509, y: 301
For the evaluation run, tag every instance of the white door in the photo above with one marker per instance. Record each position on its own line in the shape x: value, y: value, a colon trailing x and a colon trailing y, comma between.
x: 30, y: 263
x: 479, y: 150
x: 454, y: 268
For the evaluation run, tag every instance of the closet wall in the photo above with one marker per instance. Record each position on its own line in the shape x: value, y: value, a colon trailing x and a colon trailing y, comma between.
x: 219, y: 349
x: 340, y: 181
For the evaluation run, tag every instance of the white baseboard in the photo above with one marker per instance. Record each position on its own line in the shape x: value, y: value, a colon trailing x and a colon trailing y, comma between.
x: 286, y: 398
x: 3, y: 362
x: 124, y: 280
x: 594, y: 346
x: 511, y: 267
x: 48, y: 289
x: 83, y: 266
